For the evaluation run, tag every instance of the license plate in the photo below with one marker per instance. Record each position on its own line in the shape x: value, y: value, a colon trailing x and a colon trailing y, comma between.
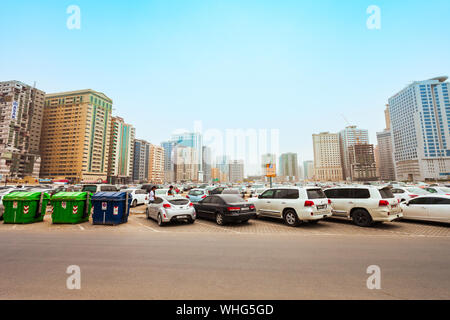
x: 245, y: 209
x: 181, y: 217
x: 321, y: 207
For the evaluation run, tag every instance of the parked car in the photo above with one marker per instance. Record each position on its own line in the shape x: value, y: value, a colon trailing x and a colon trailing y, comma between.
x: 148, y: 187
x: 365, y: 205
x: 293, y: 204
x: 139, y: 196
x: 167, y: 209
x: 196, y: 195
x: 217, y: 190
x: 439, y: 190
x: 232, y: 191
x: 93, y: 188
x: 225, y: 208
x: 407, y: 193
x: 428, y: 208
x: 161, y: 192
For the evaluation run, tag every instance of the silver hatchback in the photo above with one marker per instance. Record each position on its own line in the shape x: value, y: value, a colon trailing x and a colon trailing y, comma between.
x: 167, y: 209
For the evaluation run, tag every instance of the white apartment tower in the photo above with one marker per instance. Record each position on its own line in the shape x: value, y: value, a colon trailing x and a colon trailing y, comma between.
x: 420, y: 124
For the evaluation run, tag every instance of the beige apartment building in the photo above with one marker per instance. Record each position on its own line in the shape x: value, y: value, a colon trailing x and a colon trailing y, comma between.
x: 327, y: 157
x: 76, y: 136
x: 156, y: 165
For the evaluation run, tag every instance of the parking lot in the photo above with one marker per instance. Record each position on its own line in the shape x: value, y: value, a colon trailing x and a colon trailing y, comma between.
x: 137, y: 222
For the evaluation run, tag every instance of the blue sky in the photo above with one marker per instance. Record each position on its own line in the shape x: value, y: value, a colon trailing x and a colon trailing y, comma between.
x: 297, y: 66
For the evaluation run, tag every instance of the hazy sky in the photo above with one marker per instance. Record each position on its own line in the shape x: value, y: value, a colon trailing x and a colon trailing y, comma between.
x: 296, y: 66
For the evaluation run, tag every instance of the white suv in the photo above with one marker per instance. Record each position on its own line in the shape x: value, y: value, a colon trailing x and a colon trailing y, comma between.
x: 364, y: 204
x: 293, y: 204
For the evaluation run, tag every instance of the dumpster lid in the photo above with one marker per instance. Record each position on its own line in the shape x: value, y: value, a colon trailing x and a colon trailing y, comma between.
x: 69, y: 196
x: 25, y: 196
x: 115, y: 196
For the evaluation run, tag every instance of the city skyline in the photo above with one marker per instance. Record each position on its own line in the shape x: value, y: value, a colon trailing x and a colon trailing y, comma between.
x: 263, y: 57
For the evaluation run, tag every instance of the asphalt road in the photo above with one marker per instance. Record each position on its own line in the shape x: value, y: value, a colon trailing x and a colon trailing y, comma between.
x: 204, y: 261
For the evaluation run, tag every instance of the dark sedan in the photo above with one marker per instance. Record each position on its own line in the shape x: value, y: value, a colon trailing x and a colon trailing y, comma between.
x: 225, y: 208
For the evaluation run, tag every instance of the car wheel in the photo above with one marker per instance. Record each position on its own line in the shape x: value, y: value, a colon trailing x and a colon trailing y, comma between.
x: 134, y: 204
x: 290, y: 217
x: 219, y: 219
x: 362, y: 218
x: 191, y: 221
x: 160, y: 222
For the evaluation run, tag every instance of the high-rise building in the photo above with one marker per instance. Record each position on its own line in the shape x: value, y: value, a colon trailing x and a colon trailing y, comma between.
x: 156, y: 164
x: 327, y: 157
x: 288, y: 167
x: 308, y: 170
x: 420, y: 124
x: 185, y: 164
x: 207, y: 164
x: 169, y: 161
x: 121, y: 151
x: 21, y: 114
x: 141, y: 161
x: 384, y: 152
x: 386, y: 165
x: 362, y: 162
x: 236, y: 170
x: 222, y: 163
x: 348, y: 137
x: 192, y: 140
x: 76, y: 136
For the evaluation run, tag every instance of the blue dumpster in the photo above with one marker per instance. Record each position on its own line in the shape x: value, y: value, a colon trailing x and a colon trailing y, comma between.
x: 111, y: 208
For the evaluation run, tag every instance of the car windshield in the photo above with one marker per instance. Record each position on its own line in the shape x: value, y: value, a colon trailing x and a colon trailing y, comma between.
x: 315, y: 194
x: 386, y: 193
x: 196, y: 193
x: 230, y: 191
x: 230, y: 198
x: 91, y: 188
x: 417, y: 191
x: 178, y: 202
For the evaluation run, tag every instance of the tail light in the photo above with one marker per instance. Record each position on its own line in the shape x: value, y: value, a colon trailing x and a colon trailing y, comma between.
x: 252, y: 207
x: 146, y: 198
x: 413, y: 195
x: 383, y: 203
x: 329, y: 201
x: 309, y: 203
x: 204, y: 196
x: 191, y: 204
x: 166, y: 205
x: 187, y: 197
x: 233, y: 208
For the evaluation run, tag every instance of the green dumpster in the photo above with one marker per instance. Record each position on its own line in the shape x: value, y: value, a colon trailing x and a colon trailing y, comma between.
x: 71, y: 207
x: 25, y: 207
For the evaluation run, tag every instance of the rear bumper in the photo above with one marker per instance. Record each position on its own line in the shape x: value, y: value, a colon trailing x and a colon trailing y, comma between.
x: 237, y: 217
x: 390, y: 217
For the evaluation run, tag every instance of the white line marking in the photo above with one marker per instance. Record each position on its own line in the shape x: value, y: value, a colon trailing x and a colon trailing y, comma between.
x: 81, y: 227
x: 148, y: 227
x: 14, y: 226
